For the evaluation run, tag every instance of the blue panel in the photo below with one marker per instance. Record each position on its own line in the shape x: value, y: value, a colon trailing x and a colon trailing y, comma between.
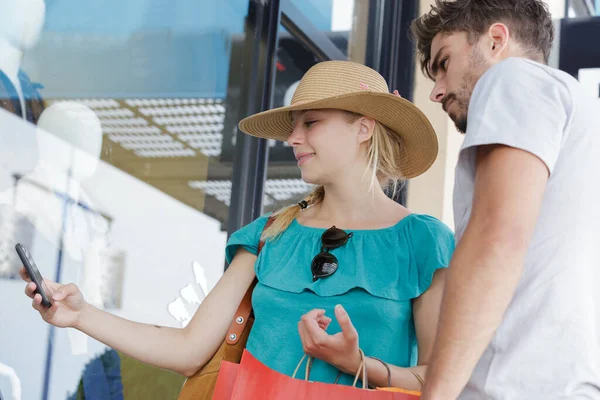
x: 136, y: 48
x: 577, y: 51
x: 124, y: 18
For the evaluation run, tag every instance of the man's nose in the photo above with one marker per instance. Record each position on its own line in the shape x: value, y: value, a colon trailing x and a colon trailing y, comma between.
x: 437, y: 93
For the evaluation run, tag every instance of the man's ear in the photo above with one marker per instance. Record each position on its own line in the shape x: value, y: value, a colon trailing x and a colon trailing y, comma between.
x: 498, y: 37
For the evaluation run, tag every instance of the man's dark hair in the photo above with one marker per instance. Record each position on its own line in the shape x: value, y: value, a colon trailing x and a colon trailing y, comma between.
x: 529, y: 22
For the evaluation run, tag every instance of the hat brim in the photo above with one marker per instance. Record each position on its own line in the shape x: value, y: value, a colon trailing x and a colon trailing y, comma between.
x: 401, y: 116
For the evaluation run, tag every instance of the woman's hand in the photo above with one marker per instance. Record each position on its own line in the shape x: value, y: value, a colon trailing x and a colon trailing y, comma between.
x: 67, y: 302
x: 339, y: 350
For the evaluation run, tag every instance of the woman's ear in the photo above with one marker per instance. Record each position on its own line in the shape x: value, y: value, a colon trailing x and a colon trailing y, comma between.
x: 366, y: 129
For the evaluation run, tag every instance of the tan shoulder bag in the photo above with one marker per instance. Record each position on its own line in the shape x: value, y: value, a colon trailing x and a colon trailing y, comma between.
x: 202, y: 385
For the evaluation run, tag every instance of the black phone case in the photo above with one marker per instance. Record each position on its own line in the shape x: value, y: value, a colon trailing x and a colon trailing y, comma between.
x: 33, y: 272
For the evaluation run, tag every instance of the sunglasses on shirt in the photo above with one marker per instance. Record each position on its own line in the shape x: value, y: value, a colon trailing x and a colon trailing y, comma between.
x: 325, y: 264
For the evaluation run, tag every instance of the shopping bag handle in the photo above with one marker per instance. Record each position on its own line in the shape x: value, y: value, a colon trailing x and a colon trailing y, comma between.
x: 308, y: 366
x: 362, y: 370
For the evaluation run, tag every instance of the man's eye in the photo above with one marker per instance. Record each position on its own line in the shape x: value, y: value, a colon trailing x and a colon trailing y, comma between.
x: 444, y: 63
x: 309, y: 123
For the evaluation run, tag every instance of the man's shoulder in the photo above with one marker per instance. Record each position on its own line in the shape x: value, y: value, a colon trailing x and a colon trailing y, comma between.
x: 516, y: 80
x: 523, y: 71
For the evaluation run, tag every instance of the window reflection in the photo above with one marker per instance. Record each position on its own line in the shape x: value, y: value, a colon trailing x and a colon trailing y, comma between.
x: 112, y: 113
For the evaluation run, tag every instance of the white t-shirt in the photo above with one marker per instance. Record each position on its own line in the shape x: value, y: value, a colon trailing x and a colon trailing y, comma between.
x: 548, y: 344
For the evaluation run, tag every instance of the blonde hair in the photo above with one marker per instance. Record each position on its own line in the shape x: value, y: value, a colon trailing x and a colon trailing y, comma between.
x: 385, y: 149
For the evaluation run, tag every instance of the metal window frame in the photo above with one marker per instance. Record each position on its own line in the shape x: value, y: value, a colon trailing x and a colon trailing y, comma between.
x: 251, y: 153
x: 389, y: 30
x: 308, y: 34
x: 582, y: 8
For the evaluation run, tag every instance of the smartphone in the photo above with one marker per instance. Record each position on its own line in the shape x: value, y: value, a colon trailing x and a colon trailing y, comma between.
x: 34, y: 273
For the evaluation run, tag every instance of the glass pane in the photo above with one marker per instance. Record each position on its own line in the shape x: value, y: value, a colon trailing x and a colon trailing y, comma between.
x: 115, y: 172
x: 284, y: 185
x: 331, y: 16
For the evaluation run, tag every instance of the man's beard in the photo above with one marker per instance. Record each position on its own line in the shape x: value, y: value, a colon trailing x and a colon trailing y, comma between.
x: 462, y: 96
x: 461, y: 101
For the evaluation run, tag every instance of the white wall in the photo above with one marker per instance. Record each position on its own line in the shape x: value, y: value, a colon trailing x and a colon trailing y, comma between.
x: 557, y: 8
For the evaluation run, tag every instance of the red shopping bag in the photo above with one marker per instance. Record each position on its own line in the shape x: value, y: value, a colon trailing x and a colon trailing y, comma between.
x: 225, y: 380
x: 252, y: 380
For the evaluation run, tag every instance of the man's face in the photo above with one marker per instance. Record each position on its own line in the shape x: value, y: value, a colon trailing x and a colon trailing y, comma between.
x: 456, y: 66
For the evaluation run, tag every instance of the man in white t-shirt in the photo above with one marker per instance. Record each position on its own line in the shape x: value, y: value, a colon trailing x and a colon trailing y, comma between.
x: 520, y: 316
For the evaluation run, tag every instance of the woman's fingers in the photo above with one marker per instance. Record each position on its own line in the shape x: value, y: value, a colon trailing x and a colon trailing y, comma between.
x: 37, y: 302
x: 24, y: 274
x: 62, y: 292
x: 30, y: 289
x: 324, y: 322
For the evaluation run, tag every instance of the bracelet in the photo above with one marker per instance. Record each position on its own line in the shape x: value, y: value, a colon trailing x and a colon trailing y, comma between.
x: 419, y: 378
x: 386, y: 367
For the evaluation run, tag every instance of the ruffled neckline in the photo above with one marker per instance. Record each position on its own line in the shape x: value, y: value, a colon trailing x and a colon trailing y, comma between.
x: 397, y: 225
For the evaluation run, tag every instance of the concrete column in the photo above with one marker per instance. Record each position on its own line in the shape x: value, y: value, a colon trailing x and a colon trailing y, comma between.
x: 431, y: 193
x: 357, y: 42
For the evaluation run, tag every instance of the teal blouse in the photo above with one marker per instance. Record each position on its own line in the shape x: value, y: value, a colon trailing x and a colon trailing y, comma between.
x: 380, y: 272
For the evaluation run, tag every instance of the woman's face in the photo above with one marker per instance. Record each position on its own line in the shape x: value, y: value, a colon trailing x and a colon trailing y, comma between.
x: 328, y: 143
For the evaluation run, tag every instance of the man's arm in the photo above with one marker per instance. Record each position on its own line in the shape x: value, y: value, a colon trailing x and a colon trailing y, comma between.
x: 487, y: 264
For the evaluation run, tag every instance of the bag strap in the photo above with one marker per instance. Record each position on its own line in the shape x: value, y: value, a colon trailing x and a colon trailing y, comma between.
x: 362, y: 370
x: 243, y: 312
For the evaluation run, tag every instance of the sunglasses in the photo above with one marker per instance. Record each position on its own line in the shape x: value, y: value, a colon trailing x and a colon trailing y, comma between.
x: 325, y: 264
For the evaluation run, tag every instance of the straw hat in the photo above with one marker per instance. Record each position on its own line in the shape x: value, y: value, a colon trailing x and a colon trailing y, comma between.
x: 350, y: 86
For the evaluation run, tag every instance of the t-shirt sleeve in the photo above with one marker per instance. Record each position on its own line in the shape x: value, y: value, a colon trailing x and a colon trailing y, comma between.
x: 433, y: 246
x: 519, y: 104
x: 247, y: 237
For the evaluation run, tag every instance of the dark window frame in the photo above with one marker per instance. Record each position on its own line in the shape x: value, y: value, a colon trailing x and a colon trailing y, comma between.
x: 389, y: 51
x: 251, y: 154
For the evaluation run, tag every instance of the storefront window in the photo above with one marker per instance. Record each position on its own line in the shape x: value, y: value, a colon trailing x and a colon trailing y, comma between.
x: 284, y: 184
x: 334, y: 17
x: 115, y: 172
x: 328, y: 15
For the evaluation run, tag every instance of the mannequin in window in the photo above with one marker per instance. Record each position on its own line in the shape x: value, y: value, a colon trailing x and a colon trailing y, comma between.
x: 69, y: 142
x: 21, y: 23
x: 67, y: 137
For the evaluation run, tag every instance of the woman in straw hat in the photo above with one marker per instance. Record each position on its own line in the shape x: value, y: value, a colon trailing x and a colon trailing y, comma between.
x: 347, y: 249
